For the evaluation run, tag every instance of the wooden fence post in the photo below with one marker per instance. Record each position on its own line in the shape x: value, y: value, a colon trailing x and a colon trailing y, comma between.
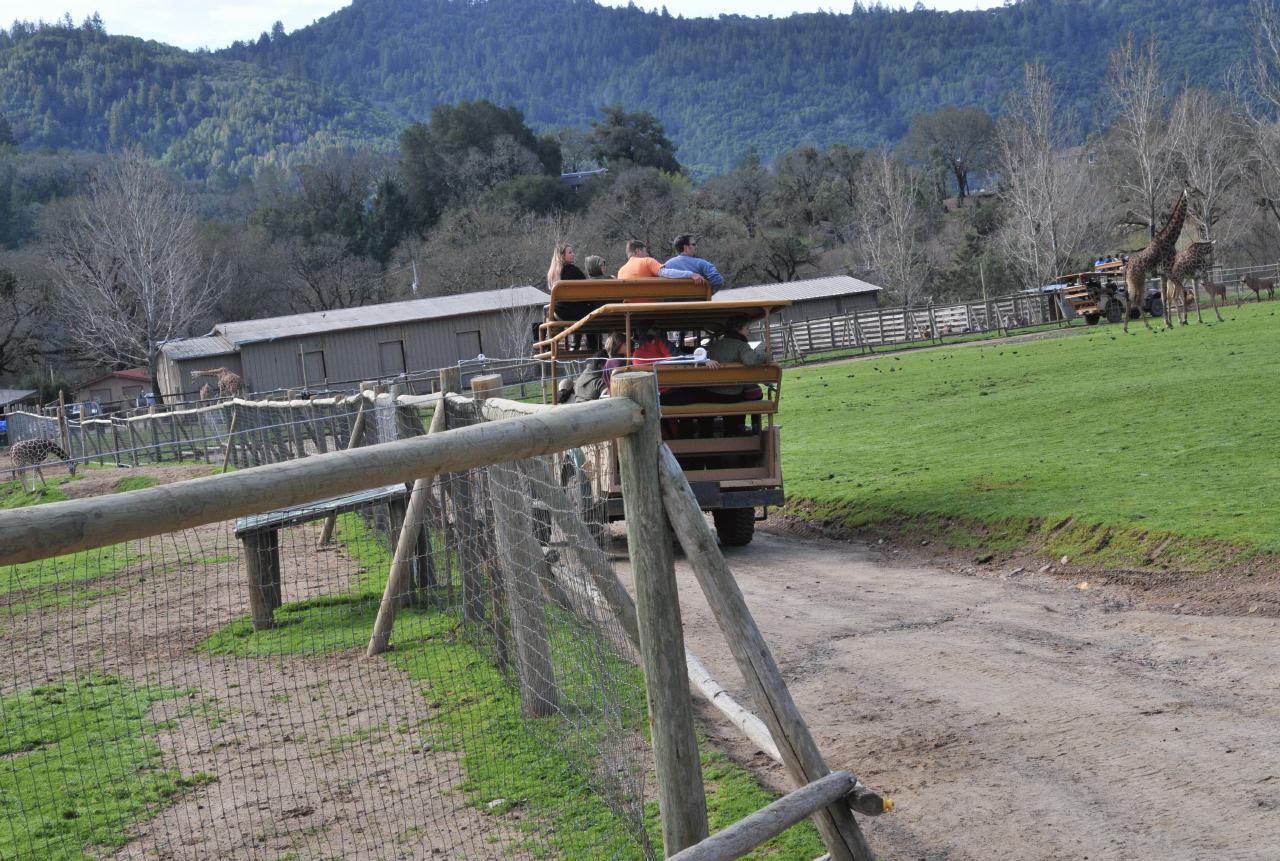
x: 804, y: 762
x: 262, y: 567
x: 357, y: 433
x: 681, y: 797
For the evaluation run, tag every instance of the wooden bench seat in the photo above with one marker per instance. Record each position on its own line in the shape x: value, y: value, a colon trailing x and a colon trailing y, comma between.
x: 739, y: 408
x: 606, y: 291
x: 260, y: 536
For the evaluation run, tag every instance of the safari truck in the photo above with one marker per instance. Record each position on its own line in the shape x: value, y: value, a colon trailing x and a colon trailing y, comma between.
x: 1100, y: 293
x: 729, y: 450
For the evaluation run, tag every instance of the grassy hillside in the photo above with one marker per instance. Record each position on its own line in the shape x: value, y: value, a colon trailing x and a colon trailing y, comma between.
x: 1147, y: 435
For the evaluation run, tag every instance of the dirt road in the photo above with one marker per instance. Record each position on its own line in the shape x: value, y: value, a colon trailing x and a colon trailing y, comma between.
x: 1016, y: 718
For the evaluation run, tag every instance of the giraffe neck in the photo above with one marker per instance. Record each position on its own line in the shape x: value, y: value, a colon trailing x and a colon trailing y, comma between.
x: 1169, y: 232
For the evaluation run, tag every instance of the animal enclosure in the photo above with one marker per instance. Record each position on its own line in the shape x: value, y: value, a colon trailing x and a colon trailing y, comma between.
x: 202, y: 669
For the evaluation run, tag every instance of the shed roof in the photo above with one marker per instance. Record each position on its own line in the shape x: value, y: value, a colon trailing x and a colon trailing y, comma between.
x: 139, y: 375
x: 798, y: 291
x: 197, y: 348
x: 10, y: 396
x: 228, y: 337
x: 386, y: 314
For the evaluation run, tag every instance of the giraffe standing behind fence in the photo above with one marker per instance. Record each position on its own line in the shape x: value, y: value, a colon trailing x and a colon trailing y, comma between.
x: 32, y: 453
x: 229, y: 383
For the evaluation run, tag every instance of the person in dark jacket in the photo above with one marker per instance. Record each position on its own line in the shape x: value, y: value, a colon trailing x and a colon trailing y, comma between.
x: 563, y: 268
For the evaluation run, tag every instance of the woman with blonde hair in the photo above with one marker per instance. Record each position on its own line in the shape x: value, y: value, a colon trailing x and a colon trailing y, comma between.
x: 563, y: 268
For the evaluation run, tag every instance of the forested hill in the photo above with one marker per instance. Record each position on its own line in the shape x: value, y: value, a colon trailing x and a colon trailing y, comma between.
x: 719, y: 85
x: 75, y: 87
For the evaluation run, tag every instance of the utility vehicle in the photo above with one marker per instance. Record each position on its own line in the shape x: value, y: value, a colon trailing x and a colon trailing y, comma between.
x: 729, y: 451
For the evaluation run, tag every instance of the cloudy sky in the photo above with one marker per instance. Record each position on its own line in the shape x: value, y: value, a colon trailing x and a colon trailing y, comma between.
x: 217, y: 23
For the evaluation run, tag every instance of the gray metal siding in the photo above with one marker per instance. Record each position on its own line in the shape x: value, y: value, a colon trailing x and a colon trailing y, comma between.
x: 354, y: 355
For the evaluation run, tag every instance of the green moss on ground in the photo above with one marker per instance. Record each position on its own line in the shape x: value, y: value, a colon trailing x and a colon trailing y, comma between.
x: 78, y: 765
x: 529, y: 765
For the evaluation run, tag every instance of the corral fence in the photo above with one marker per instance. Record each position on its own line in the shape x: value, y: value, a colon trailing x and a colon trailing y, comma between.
x: 882, y: 327
x: 244, y: 432
x: 412, y: 648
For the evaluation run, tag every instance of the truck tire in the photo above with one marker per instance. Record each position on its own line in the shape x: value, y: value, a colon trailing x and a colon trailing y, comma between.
x: 1115, y: 313
x: 735, y: 526
x: 1155, y: 306
x: 1092, y: 319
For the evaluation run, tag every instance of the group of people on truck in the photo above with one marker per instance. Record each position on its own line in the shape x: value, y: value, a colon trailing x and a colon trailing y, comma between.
x: 684, y: 264
x: 731, y: 346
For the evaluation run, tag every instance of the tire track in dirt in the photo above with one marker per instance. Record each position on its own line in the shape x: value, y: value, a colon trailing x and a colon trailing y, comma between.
x: 1016, y: 719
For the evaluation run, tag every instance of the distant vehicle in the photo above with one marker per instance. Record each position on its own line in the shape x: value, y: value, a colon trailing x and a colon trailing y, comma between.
x: 4, y: 431
x: 1100, y: 293
x: 85, y: 409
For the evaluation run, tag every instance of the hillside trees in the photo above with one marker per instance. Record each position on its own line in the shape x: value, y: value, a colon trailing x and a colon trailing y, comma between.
x: 1209, y: 142
x: 1140, y: 136
x: 1046, y: 186
x: 637, y: 139
x: 960, y: 138
x: 23, y: 313
x: 891, y: 236
x: 466, y: 149
x: 128, y: 270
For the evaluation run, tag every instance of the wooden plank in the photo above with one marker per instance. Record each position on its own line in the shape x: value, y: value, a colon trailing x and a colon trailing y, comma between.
x: 839, y: 830
x: 681, y: 798
x: 765, y: 824
x: 49, y: 530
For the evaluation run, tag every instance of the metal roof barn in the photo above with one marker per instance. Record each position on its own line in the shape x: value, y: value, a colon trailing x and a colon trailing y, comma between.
x: 334, y: 349
x: 813, y: 298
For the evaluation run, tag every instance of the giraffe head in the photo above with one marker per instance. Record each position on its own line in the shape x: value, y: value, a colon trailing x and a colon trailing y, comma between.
x: 64, y: 457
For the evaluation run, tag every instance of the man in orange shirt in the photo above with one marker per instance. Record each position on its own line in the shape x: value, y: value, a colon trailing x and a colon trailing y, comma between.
x: 640, y: 265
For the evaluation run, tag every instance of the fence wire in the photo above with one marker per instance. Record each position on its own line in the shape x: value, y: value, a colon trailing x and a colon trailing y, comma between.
x: 205, y: 693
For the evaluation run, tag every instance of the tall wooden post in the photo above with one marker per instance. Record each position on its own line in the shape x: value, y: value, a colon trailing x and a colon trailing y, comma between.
x: 357, y: 434
x: 64, y: 430
x: 681, y: 798
x: 800, y: 755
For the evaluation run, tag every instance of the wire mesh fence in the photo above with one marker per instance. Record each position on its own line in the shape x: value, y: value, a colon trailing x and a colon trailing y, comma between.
x: 205, y: 692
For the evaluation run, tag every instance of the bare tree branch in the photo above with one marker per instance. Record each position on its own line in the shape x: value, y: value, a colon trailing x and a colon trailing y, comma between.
x: 128, y: 269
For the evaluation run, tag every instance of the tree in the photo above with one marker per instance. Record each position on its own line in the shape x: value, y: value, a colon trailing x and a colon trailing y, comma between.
x: 469, y: 147
x: 1208, y: 142
x: 891, y: 227
x: 128, y: 269
x: 1139, y: 130
x: 23, y: 314
x: 632, y: 140
x: 646, y: 204
x: 961, y: 138
x: 1045, y: 187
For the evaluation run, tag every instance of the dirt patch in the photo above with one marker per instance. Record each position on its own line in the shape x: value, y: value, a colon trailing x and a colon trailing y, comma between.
x: 1013, y: 717
x: 292, y: 755
x: 97, y: 482
x: 1224, y: 580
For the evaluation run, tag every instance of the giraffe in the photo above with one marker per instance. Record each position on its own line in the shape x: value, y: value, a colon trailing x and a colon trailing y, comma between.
x: 1155, y: 258
x: 228, y: 382
x: 1188, y: 263
x: 32, y: 453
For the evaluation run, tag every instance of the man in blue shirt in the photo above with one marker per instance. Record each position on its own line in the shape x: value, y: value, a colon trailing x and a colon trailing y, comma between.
x: 687, y: 258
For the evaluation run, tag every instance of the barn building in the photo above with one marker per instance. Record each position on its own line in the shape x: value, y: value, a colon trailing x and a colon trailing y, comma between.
x: 116, y: 387
x: 812, y: 299
x: 337, y: 349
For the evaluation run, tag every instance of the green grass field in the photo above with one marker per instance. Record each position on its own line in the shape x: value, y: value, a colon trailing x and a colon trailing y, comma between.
x: 1146, y: 437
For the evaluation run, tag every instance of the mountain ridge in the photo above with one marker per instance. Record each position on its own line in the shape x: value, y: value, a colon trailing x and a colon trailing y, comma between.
x: 721, y: 86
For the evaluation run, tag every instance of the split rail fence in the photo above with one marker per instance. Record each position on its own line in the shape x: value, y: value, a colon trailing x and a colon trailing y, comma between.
x: 387, y: 650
